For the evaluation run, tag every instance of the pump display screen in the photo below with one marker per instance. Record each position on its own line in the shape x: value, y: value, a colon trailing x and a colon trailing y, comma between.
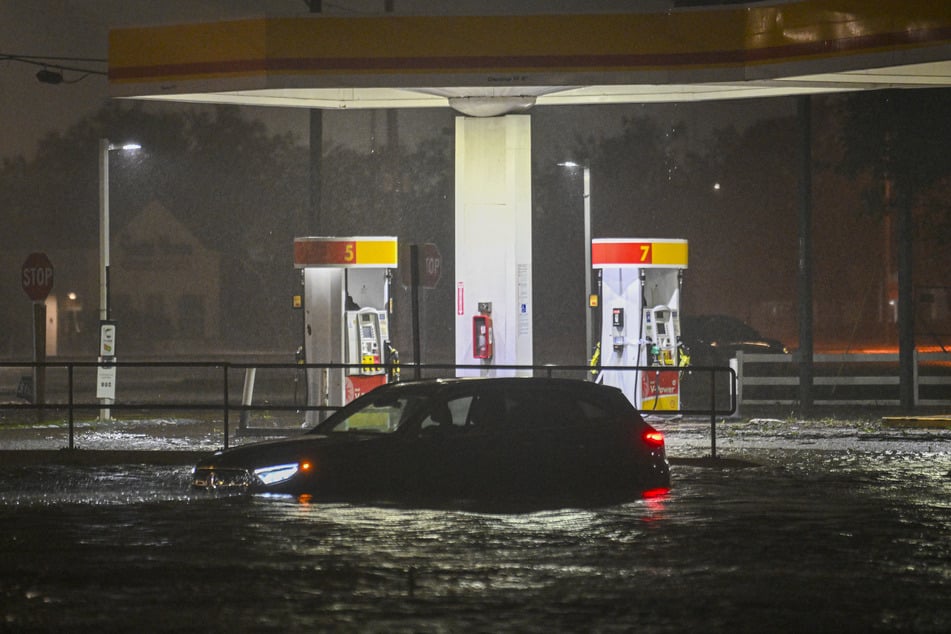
x: 661, y: 328
x: 367, y: 332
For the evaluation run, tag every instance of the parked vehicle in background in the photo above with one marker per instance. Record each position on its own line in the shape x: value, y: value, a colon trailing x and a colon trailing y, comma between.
x: 715, y: 339
x: 497, y: 439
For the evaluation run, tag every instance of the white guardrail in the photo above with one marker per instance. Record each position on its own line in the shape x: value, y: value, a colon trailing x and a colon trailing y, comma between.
x: 744, y: 364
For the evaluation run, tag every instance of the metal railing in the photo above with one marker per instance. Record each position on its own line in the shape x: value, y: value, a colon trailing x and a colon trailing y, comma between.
x: 864, y: 379
x: 211, y: 386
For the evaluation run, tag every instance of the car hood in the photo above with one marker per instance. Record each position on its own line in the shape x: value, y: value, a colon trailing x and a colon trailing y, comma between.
x: 261, y: 454
x: 767, y: 344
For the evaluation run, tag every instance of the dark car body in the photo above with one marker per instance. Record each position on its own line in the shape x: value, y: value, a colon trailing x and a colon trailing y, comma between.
x: 715, y: 339
x: 506, y: 438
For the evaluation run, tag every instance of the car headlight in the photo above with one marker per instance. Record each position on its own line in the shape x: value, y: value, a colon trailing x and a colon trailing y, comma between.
x: 277, y: 473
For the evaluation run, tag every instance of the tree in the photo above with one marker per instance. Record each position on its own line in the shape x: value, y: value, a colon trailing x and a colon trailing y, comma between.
x: 240, y: 190
x: 407, y: 192
x: 639, y: 188
x: 900, y: 139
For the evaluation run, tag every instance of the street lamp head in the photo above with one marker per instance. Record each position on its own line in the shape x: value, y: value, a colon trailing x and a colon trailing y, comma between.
x: 123, y: 146
x: 569, y: 164
x: 47, y: 76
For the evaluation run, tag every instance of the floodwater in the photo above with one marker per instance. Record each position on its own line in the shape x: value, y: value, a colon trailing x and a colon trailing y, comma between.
x: 837, y: 530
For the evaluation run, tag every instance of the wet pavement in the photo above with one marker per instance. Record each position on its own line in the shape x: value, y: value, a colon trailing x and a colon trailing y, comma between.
x: 838, y: 525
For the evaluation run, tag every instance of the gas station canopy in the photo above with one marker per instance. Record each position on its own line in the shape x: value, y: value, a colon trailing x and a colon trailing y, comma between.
x: 490, y: 65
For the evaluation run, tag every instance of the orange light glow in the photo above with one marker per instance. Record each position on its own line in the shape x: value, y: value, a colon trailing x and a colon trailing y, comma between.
x: 306, y: 466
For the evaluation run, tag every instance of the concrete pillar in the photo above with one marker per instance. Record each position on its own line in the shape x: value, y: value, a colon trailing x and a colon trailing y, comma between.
x: 493, y: 251
x: 324, y: 295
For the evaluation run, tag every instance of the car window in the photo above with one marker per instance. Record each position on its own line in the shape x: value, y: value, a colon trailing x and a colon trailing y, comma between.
x: 740, y: 330
x: 489, y: 410
x: 380, y: 416
x: 593, y: 412
x: 543, y: 408
x: 451, y: 414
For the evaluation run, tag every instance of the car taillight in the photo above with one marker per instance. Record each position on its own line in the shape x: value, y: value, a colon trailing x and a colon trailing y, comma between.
x: 653, y: 437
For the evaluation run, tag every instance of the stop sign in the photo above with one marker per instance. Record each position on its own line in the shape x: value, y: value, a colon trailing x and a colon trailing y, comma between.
x: 430, y: 265
x: 37, y: 276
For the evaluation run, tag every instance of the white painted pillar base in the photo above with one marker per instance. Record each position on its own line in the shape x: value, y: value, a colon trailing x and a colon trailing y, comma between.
x: 323, y: 337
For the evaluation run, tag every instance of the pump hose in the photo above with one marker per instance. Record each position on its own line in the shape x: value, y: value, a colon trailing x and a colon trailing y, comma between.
x: 595, y: 359
x: 394, y: 361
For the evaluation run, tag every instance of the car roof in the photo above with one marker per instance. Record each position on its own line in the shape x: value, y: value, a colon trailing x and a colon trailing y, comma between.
x: 512, y: 381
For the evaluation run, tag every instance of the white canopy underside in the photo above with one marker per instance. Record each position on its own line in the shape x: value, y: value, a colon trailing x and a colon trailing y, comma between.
x: 490, y: 101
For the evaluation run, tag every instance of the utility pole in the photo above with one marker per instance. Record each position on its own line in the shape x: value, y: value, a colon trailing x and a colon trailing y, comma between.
x: 316, y: 151
x: 804, y: 109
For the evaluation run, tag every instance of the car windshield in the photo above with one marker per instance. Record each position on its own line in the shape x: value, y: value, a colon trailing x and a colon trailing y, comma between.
x: 739, y: 331
x: 716, y: 328
x: 383, y: 415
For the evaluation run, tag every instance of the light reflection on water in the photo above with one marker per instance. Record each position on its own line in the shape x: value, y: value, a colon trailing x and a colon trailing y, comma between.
x: 813, y: 540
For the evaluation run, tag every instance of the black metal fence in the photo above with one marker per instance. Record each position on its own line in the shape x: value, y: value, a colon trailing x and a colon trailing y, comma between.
x: 280, y: 389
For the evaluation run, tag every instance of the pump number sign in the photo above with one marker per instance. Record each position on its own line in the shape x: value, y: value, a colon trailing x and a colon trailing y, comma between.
x: 611, y: 252
x: 345, y: 252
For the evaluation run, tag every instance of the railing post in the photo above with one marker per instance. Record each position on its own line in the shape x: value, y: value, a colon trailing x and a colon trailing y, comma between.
x: 71, y: 419
x: 914, y: 377
x: 736, y: 387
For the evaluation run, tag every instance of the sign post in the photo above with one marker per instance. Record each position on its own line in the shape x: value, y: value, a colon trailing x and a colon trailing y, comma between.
x: 423, y: 269
x: 106, y: 372
x: 429, y: 264
x: 36, y: 277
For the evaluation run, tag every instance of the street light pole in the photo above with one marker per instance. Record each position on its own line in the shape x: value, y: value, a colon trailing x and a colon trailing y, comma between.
x: 106, y: 374
x: 103, y: 372
x: 104, y: 147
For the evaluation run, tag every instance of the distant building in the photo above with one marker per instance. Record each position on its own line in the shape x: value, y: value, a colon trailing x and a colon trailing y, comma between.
x: 165, y: 293
x: 165, y: 285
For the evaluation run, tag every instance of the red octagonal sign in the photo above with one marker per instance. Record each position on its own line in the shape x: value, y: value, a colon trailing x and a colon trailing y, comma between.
x: 37, y: 276
x: 430, y: 265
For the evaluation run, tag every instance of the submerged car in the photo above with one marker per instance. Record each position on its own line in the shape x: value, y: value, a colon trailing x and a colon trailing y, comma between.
x: 476, y: 438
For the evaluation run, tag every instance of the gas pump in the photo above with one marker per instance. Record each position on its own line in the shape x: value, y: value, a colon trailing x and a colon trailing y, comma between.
x: 661, y: 328
x: 661, y: 349
x: 367, y: 336
x: 641, y: 281
x: 347, y: 313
